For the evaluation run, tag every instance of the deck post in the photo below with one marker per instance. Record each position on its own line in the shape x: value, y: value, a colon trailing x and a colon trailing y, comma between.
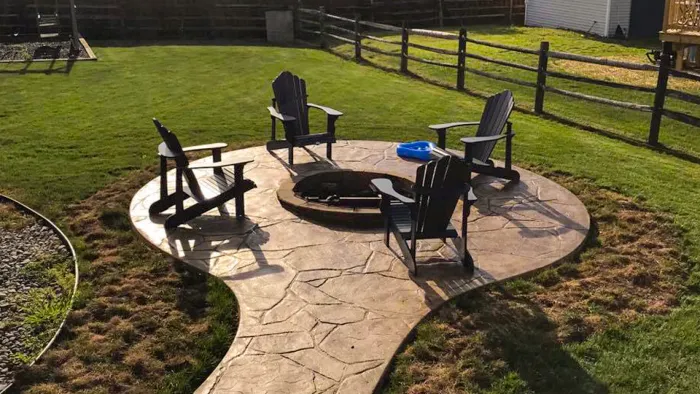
x: 75, y: 39
x: 660, y: 95
x: 461, y: 58
x: 358, y: 39
x: 404, y: 48
x: 541, y: 77
x: 322, y: 26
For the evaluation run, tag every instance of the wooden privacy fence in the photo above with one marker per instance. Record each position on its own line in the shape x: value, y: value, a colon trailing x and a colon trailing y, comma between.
x: 325, y: 26
x: 239, y: 18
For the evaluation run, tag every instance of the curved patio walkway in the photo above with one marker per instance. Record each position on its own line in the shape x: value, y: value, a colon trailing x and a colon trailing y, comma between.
x: 325, y: 309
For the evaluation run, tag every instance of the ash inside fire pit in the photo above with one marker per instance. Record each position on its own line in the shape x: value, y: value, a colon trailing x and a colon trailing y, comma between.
x: 338, y: 197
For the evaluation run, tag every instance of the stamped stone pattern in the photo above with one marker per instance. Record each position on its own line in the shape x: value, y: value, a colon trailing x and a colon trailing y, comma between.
x: 324, y: 309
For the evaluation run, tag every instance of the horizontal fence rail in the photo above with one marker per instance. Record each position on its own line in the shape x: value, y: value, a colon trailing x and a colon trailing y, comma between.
x: 355, y: 35
x: 117, y: 19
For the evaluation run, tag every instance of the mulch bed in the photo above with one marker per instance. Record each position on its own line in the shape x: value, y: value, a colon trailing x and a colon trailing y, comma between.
x: 33, y: 262
x: 37, y: 50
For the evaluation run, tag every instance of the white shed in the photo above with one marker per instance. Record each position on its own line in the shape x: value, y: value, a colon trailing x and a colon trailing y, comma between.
x: 599, y: 17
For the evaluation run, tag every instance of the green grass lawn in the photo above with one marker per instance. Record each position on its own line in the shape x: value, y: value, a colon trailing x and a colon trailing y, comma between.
x: 64, y: 137
x: 629, y: 123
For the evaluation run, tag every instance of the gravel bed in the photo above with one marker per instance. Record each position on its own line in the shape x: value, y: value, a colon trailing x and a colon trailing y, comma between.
x: 18, y: 248
x: 27, y: 50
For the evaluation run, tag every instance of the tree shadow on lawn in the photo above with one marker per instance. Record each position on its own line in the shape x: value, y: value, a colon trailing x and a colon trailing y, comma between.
x: 63, y: 67
x: 520, y: 334
x: 490, y: 341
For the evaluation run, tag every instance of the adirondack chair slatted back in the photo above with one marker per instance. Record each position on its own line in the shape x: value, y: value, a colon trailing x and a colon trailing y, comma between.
x: 291, y: 100
x: 493, y: 122
x: 173, y: 144
x: 439, y: 183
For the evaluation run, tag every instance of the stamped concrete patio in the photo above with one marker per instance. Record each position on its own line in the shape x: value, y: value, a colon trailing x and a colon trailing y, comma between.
x: 323, y: 310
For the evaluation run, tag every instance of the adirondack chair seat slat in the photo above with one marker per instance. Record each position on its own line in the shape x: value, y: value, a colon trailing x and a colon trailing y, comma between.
x: 212, y: 186
x: 478, y: 149
x: 209, y: 184
x: 401, y: 216
x: 290, y: 106
x: 439, y: 186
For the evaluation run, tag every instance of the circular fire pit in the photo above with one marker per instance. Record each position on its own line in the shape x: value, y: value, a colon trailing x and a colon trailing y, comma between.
x: 339, y: 197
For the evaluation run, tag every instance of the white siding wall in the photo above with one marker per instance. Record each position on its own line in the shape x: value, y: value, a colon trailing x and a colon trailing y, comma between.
x: 569, y: 14
x: 620, y: 15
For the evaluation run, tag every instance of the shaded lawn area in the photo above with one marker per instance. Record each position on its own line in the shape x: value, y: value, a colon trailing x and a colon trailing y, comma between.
x: 64, y: 137
x: 629, y: 123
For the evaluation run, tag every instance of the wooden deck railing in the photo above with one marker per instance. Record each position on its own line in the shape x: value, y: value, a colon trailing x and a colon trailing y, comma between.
x: 682, y: 15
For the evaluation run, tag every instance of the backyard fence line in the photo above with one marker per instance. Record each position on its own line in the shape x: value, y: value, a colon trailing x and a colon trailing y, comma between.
x: 119, y: 19
x: 660, y: 91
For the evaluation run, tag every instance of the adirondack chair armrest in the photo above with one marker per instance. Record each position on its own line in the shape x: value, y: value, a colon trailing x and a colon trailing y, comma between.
x: 384, y: 187
x: 196, y: 148
x: 284, y: 118
x: 220, y: 164
x: 329, y: 111
x: 447, y: 126
x: 481, y: 140
x: 441, y: 130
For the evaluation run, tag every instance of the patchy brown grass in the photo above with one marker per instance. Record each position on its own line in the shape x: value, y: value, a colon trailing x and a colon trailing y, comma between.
x: 511, y: 337
x: 13, y: 220
x: 141, y: 323
x: 622, y: 75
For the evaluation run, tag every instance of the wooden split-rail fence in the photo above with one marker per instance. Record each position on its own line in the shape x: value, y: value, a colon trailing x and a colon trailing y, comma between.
x: 325, y: 27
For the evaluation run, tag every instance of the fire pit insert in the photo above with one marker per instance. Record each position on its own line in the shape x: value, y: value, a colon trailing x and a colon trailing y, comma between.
x: 339, y: 197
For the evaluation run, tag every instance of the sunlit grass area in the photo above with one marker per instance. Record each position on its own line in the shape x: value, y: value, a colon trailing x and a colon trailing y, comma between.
x: 625, y: 122
x: 67, y: 137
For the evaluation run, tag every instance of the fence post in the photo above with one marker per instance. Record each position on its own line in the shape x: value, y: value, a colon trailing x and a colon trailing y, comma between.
x: 358, y: 39
x: 541, y: 77
x: 510, y: 12
x: 441, y: 15
x: 322, y: 26
x: 296, y: 21
x: 404, y: 49
x: 461, y: 58
x: 660, y: 95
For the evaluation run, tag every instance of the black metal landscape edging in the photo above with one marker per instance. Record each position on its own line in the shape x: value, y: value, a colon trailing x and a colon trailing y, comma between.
x: 69, y: 246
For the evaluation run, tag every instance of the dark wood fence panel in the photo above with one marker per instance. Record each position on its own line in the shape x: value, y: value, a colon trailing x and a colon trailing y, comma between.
x: 242, y: 18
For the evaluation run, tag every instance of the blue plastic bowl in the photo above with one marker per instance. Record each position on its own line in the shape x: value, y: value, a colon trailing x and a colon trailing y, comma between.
x: 419, y: 150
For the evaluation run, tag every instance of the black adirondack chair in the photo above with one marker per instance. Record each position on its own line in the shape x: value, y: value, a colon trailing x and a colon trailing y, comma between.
x: 209, y: 192
x: 426, y: 215
x: 290, y: 107
x: 478, y: 149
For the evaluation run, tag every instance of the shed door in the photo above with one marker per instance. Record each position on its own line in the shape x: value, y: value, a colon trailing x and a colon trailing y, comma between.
x: 646, y: 19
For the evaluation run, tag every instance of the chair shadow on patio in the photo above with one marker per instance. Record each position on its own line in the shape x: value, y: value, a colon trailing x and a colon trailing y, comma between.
x: 319, y: 163
x: 207, y: 239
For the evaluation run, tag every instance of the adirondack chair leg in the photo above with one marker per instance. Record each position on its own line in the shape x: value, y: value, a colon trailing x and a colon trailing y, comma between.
x: 408, y: 256
x: 329, y: 150
x: 167, y: 202
x: 163, y: 178
x: 240, y: 201
x: 414, y: 247
x: 186, y: 215
x: 467, y: 260
x: 509, y: 145
x: 387, y: 230
x: 290, y: 158
x: 179, y: 205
